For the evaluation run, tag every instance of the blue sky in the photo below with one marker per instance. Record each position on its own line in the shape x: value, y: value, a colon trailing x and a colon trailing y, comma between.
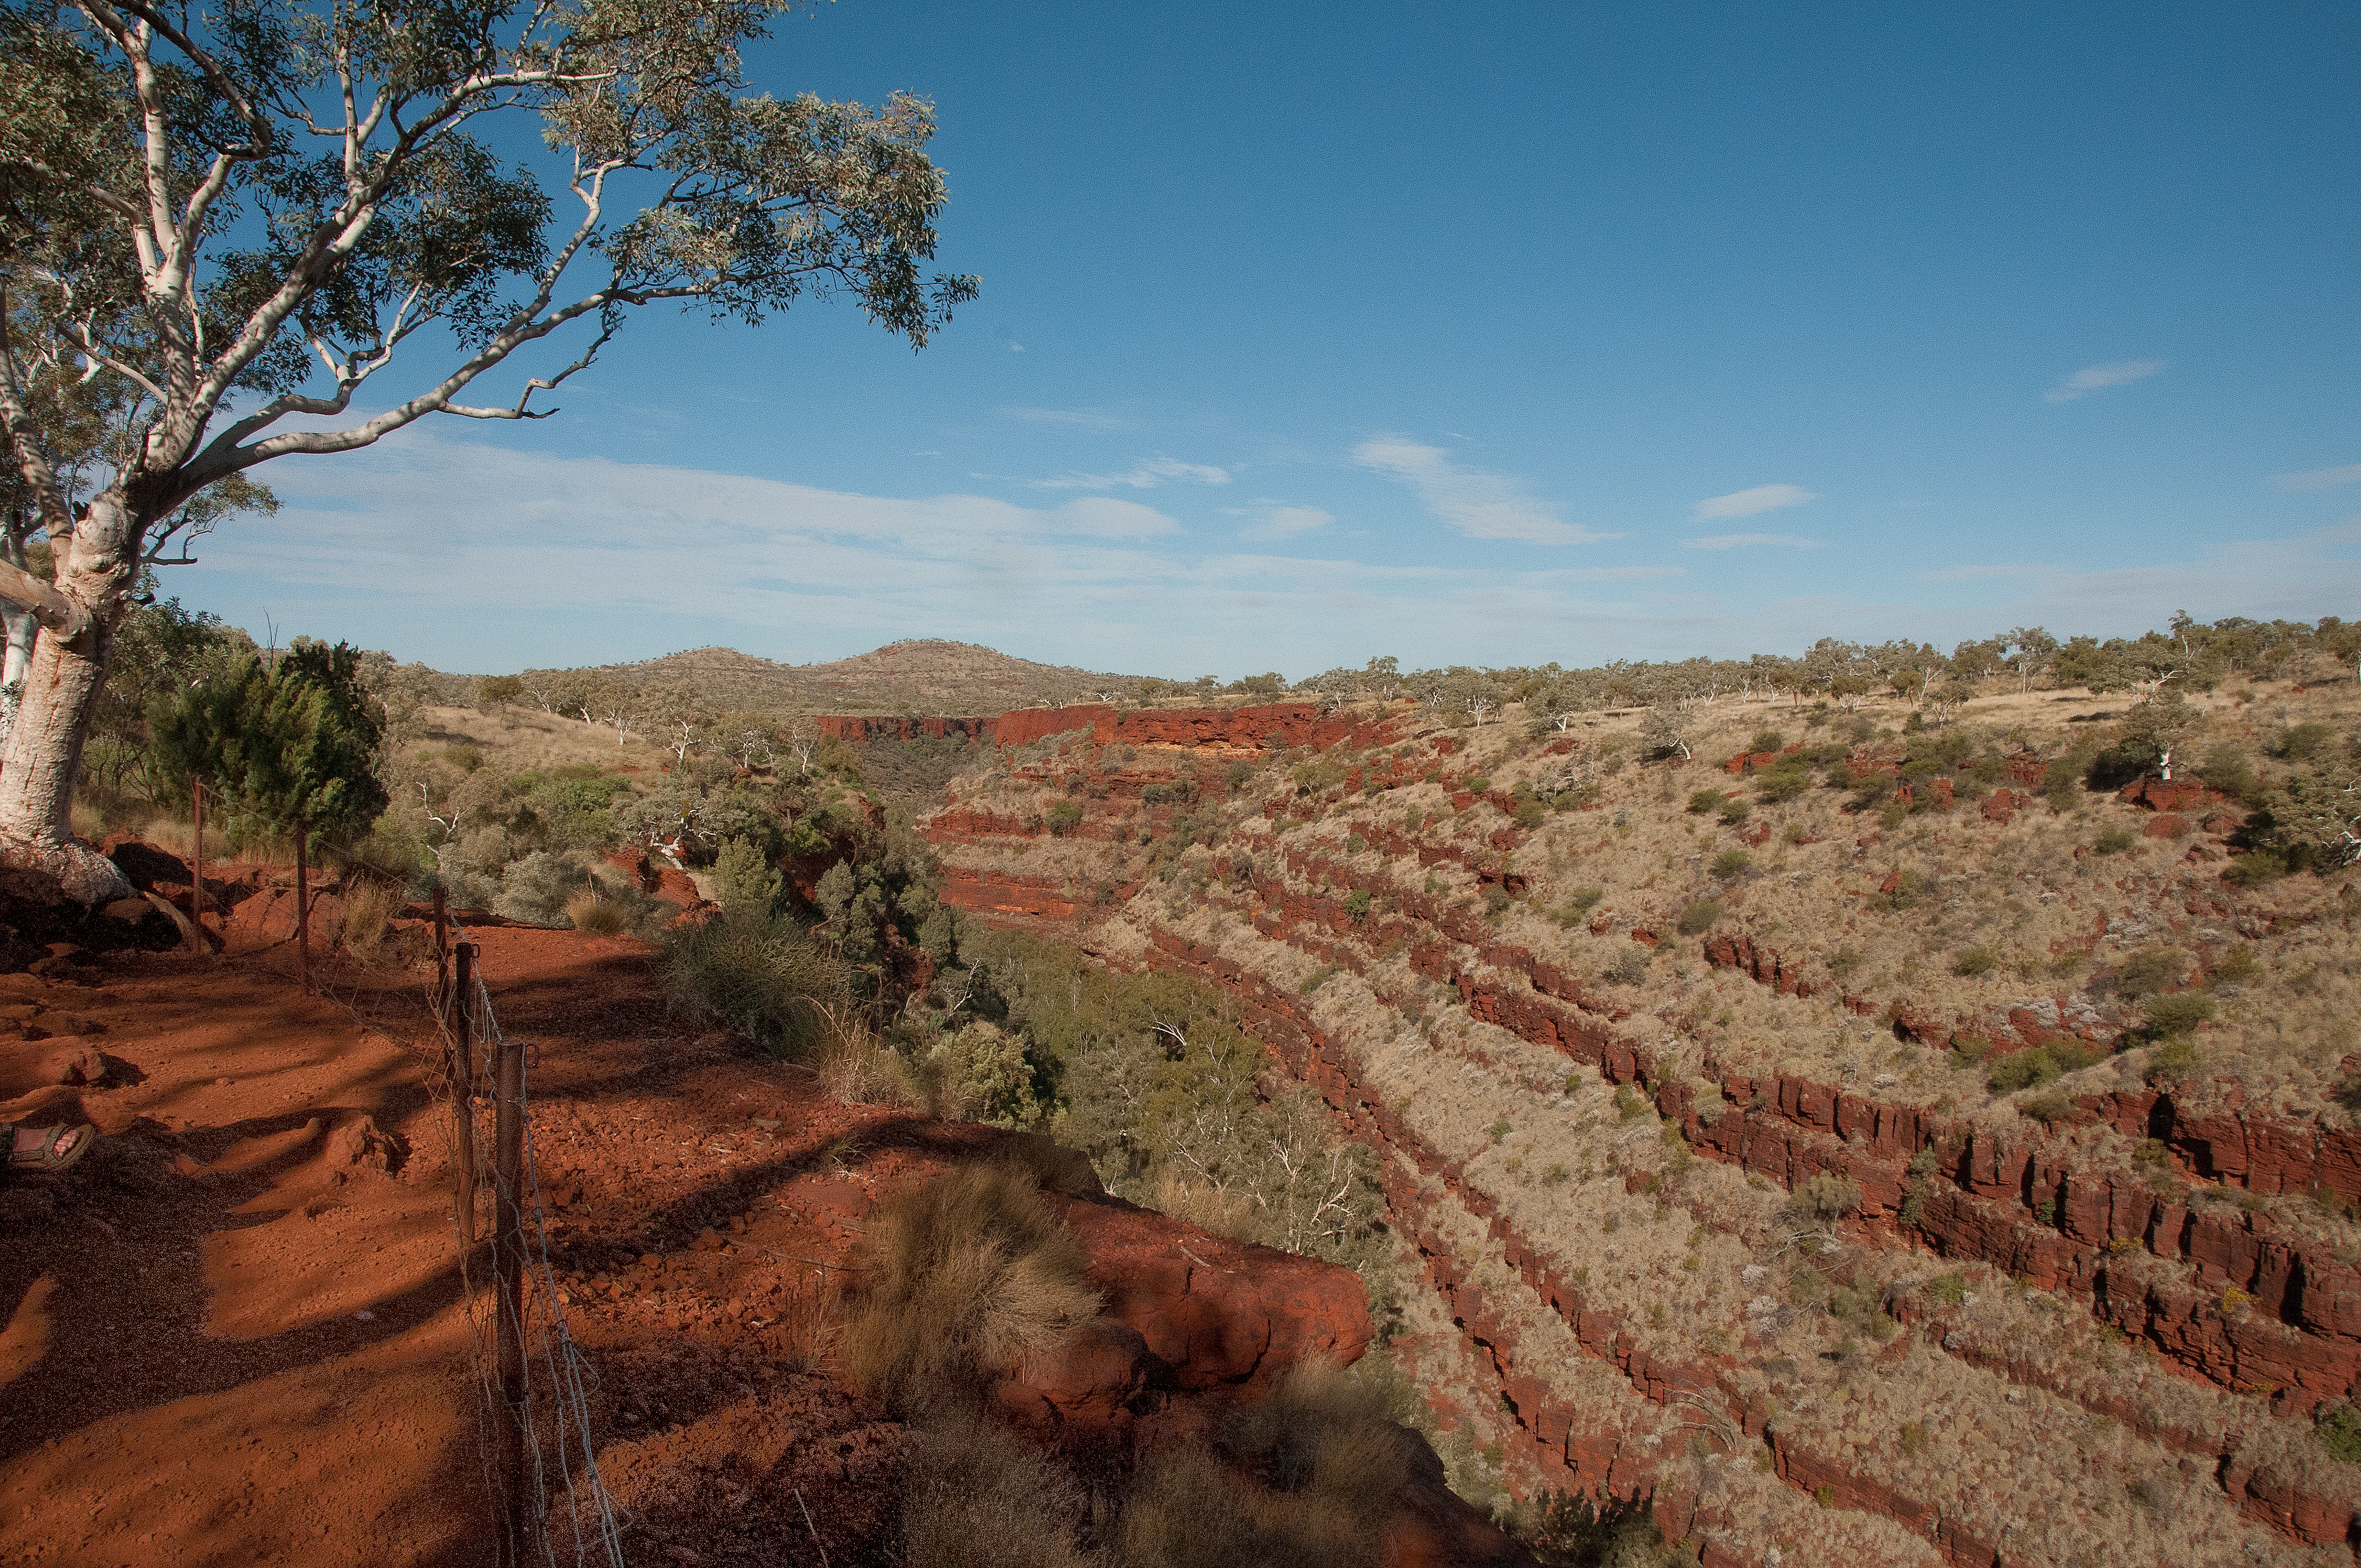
x: 1488, y: 334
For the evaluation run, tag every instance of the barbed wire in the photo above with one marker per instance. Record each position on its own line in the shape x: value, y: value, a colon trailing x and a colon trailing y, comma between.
x: 560, y: 1459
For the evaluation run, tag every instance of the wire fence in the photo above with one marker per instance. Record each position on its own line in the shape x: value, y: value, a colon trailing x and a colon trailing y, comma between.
x: 534, y: 1384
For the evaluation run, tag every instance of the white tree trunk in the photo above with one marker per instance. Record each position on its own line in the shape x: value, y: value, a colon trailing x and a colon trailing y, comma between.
x: 42, y: 759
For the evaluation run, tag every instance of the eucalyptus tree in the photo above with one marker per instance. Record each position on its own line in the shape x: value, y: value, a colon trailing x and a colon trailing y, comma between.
x: 285, y: 226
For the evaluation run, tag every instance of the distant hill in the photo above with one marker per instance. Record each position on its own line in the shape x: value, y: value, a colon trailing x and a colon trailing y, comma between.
x: 926, y: 675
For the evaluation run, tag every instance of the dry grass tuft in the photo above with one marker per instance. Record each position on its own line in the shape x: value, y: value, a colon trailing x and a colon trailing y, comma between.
x: 368, y: 904
x: 593, y: 913
x: 1313, y: 1473
x: 980, y: 1497
x: 856, y: 1067
x: 959, y: 1277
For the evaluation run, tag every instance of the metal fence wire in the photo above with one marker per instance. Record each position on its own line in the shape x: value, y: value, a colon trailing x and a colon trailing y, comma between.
x: 533, y: 1409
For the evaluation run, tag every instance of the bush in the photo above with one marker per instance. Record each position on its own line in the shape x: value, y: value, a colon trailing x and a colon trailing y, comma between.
x: 1727, y: 865
x: 1631, y: 967
x: 1826, y: 1197
x: 1970, y: 962
x: 1567, y: 1531
x: 1767, y: 740
x: 1579, y: 903
x: 1356, y: 905
x: 2168, y: 1017
x: 1065, y: 817
x: 2042, y: 1064
x: 955, y: 1279
x: 986, y: 1075
x: 2303, y: 742
x: 1699, y: 917
x: 1530, y: 814
x: 758, y: 976
x: 1736, y: 810
x: 2149, y: 970
x: 2340, y: 1432
x: 2048, y: 1107
x: 1777, y: 785
x: 2114, y: 840
x: 1705, y: 800
x: 535, y: 889
x: 2235, y: 967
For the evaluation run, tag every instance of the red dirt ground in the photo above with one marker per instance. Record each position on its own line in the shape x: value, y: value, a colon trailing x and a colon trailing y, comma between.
x: 236, y: 1332
x: 234, y: 1337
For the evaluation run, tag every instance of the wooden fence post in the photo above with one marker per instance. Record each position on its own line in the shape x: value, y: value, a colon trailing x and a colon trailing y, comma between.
x: 197, y: 862
x: 303, y: 912
x: 463, y: 1091
x: 509, y: 1248
x: 442, y: 953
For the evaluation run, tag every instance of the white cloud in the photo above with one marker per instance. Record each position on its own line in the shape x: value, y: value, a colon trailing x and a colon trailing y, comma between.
x: 1748, y: 540
x: 1746, y: 503
x: 1281, y: 521
x: 2099, y: 377
x: 1083, y: 419
x: 478, y: 557
x: 2318, y: 479
x: 1155, y: 471
x: 1482, y: 506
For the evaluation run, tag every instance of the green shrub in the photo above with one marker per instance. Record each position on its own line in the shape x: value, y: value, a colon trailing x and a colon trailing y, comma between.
x: 2237, y: 967
x: 1826, y: 1197
x: 1631, y: 967
x: 757, y: 975
x: 1356, y: 905
x: 1726, y: 866
x: 2042, y: 1064
x: 1629, y: 1105
x: 1501, y: 1129
x: 1844, y: 961
x: 2048, y: 1107
x: 2225, y: 768
x: 1530, y: 814
x: 956, y: 1277
x: 1971, y: 962
x: 2174, y: 1062
x: 2149, y: 970
x: 2257, y: 867
x: 1579, y: 903
x: 1699, y: 916
x: 1736, y: 810
x: 1767, y: 740
x: 1065, y: 816
x: 1496, y: 899
x: 1705, y: 800
x: 2303, y: 742
x: 2168, y: 1017
x: 2114, y: 840
x: 2340, y: 1432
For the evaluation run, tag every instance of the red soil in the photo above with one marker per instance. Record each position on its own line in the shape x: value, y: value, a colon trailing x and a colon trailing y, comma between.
x: 237, y: 1333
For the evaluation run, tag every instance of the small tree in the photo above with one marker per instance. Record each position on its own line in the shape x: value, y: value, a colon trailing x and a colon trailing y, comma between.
x: 293, y: 746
